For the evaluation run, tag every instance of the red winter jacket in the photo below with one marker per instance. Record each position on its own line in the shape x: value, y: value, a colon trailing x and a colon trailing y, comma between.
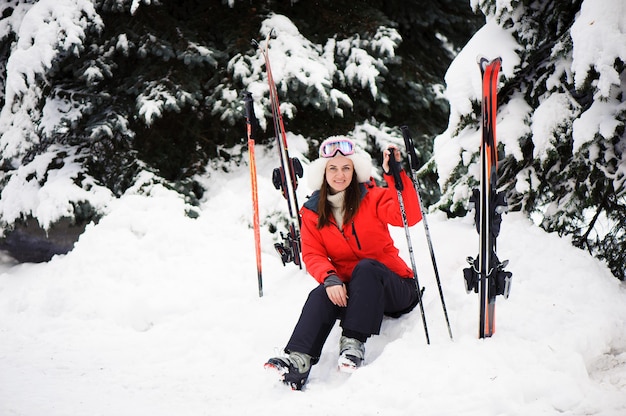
x: 333, y: 251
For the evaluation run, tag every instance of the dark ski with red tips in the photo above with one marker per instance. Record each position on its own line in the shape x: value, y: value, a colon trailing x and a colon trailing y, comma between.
x: 486, y: 274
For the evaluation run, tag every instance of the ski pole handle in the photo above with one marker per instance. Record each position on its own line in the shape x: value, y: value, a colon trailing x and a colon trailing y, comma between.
x: 394, y: 170
x: 410, y: 148
x: 250, y: 116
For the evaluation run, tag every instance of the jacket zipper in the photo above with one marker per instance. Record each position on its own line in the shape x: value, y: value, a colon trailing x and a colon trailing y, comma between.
x: 356, y: 237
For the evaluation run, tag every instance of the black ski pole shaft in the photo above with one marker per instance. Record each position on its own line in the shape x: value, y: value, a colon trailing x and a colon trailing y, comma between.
x: 251, y: 130
x: 413, y: 165
x: 394, y: 167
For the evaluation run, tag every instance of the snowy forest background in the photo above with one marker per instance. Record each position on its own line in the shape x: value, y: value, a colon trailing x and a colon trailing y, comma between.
x: 99, y: 96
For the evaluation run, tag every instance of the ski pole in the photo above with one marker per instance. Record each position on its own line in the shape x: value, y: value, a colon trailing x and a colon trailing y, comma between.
x: 394, y: 168
x: 251, y: 129
x: 412, y: 155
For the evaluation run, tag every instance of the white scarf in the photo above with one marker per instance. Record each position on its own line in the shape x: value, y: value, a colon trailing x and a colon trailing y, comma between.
x: 337, y: 206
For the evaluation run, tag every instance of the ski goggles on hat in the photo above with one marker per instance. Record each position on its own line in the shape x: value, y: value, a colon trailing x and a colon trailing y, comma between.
x: 330, y: 147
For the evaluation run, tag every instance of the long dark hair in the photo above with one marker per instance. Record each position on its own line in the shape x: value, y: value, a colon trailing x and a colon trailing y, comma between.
x: 351, y: 202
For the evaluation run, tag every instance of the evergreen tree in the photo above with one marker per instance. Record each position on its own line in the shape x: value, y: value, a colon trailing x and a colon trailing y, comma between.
x: 567, y: 165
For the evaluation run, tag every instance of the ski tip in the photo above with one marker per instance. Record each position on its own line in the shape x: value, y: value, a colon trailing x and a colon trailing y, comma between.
x: 483, y: 62
x: 276, y: 370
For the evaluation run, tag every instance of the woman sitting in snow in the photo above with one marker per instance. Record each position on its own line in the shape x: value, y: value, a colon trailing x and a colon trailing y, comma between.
x: 346, y: 246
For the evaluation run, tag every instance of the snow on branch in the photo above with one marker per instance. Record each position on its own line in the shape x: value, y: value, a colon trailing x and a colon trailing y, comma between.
x: 50, y: 28
x: 48, y: 186
x: 599, y: 39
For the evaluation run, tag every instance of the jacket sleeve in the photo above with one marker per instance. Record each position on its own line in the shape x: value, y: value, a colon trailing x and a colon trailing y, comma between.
x: 314, y: 252
x: 389, y: 206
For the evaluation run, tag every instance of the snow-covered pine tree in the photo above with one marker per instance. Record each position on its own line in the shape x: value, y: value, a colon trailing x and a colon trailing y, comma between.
x: 561, y: 122
x: 96, y: 92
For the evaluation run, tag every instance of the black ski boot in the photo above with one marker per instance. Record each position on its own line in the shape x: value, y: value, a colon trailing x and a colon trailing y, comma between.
x: 293, y: 369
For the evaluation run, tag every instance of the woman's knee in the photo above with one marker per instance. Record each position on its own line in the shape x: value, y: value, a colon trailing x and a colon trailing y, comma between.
x: 367, y: 271
x: 366, y: 267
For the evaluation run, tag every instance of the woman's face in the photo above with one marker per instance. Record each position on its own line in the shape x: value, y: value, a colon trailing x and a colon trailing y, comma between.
x: 339, y: 171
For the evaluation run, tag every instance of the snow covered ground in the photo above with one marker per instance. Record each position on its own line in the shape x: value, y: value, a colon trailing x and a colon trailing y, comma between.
x: 155, y: 313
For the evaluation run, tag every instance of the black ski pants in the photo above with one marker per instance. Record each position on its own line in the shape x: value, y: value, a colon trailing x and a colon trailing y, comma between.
x: 373, y: 291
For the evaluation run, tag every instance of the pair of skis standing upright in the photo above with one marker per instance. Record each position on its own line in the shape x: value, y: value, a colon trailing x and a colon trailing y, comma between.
x: 486, y: 273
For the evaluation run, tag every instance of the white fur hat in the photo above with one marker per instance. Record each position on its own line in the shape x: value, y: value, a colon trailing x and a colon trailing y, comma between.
x: 362, y: 165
